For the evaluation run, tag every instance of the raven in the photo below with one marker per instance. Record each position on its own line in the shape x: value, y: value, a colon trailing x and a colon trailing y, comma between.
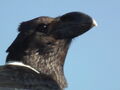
x: 40, y: 49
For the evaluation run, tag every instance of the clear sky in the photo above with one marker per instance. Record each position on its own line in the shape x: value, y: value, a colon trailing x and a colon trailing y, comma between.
x: 93, y: 61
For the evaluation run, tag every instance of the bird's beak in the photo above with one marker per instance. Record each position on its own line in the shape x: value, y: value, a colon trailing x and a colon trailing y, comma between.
x: 94, y: 22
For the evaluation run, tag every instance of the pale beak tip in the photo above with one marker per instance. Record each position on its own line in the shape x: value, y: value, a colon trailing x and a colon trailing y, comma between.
x: 94, y: 23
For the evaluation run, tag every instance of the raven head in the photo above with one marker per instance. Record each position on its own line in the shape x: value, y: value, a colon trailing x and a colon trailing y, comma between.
x: 43, y: 42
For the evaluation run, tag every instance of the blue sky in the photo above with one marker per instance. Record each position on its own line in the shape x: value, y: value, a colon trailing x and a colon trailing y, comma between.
x: 93, y: 60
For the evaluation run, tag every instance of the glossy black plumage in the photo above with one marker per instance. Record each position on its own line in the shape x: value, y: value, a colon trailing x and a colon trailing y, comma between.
x: 43, y: 43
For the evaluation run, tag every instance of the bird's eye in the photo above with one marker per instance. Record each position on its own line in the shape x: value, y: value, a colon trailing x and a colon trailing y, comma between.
x: 42, y: 28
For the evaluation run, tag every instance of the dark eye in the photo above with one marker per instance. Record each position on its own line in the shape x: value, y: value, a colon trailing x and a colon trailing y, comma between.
x: 42, y: 28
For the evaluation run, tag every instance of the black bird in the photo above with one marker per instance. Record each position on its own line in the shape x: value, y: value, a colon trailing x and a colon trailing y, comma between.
x: 36, y: 57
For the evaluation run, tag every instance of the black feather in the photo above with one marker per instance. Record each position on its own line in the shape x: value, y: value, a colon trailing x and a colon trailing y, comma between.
x: 43, y: 43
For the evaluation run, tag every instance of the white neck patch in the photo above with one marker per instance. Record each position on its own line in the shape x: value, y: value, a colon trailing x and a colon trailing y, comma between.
x: 21, y: 64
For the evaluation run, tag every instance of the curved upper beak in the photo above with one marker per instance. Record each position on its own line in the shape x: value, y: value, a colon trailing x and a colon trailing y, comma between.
x: 94, y: 22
